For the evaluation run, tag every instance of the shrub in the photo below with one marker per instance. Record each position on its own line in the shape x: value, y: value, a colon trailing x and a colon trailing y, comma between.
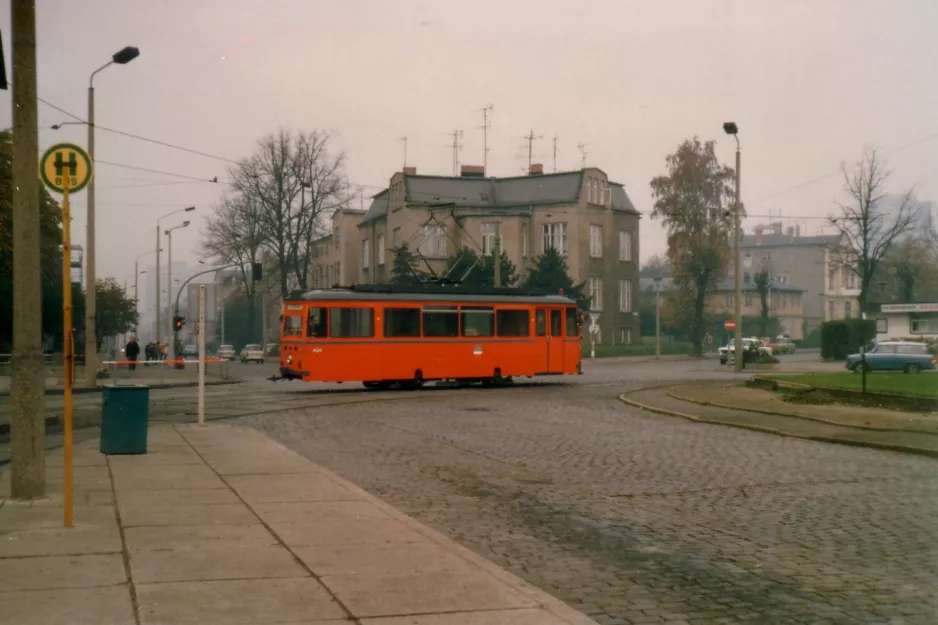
x: 845, y: 336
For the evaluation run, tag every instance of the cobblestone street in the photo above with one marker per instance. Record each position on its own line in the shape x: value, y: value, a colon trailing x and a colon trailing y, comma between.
x: 639, y: 518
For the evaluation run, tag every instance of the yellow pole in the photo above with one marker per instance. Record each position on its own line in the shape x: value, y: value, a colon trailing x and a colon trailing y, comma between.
x: 67, y: 344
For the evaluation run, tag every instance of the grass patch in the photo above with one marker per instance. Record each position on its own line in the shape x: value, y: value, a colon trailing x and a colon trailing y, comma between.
x: 641, y: 349
x: 923, y: 384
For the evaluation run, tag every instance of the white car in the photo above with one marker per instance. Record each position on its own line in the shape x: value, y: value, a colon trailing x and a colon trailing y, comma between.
x: 727, y: 351
x: 252, y: 353
x: 226, y: 352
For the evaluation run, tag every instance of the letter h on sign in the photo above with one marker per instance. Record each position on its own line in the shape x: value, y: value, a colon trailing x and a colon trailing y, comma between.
x: 60, y: 165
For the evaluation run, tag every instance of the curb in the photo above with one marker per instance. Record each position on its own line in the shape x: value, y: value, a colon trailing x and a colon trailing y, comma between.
x: 773, y: 384
x: 84, y: 390
x: 766, y: 430
x: 673, y: 395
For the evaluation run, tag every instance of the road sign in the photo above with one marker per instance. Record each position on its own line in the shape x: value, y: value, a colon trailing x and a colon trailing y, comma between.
x: 729, y: 325
x: 65, y: 159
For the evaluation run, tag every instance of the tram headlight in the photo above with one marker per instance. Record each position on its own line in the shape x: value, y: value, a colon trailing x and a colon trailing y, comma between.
x: 289, y: 359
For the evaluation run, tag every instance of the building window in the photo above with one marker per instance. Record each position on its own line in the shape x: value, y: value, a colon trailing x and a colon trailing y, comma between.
x: 396, y: 237
x: 379, y: 252
x: 625, y: 245
x: 747, y: 298
x: 596, y: 293
x: 831, y: 311
x: 882, y: 325
x: 433, y: 241
x: 849, y: 277
x: 555, y: 237
x: 848, y: 309
x: 489, y: 231
x: 923, y: 325
x: 728, y: 300
x: 625, y: 296
x: 524, y: 239
x: 366, y: 255
x: 596, y: 241
x: 832, y: 279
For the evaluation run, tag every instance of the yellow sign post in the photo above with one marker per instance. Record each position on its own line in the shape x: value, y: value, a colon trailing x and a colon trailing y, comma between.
x: 66, y: 168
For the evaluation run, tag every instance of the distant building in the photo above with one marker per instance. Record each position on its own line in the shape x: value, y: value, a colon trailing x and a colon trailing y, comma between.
x: 785, y: 301
x: 582, y: 214
x: 814, y: 263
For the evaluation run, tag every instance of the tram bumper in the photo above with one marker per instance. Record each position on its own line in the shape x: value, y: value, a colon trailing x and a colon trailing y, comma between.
x: 289, y: 373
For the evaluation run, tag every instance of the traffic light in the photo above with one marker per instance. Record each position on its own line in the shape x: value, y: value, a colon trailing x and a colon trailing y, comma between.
x: 178, y: 322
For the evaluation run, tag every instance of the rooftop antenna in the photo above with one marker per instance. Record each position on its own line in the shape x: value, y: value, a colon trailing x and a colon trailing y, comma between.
x: 485, y: 137
x: 530, y: 137
x: 583, y: 153
x: 457, y: 137
x: 404, y: 139
x: 555, y: 152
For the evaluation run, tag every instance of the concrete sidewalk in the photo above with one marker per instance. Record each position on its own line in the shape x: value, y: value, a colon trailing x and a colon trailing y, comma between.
x: 219, y: 524
x: 764, y: 411
x: 154, y: 379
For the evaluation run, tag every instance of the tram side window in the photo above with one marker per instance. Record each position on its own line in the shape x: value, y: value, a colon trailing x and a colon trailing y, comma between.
x: 352, y: 322
x: 478, y: 321
x: 540, y: 323
x: 513, y: 322
x: 293, y: 325
x: 401, y: 322
x: 441, y: 321
x: 317, y: 323
x: 571, y: 322
x: 556, y: 323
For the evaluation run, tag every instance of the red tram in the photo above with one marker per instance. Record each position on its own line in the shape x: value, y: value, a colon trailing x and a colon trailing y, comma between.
x: 384, y: 335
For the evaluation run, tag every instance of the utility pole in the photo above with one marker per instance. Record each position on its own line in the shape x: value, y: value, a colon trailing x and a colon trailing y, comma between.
x: 457, y: 135
x: 530, y: 137
x: 555, y: 152
x: 27, y: 430
x: 485, y: 138
x: 404, y: 139
x: 497, y: 254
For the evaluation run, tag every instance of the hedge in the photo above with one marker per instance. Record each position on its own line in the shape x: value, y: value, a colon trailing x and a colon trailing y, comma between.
x: 845, y: 336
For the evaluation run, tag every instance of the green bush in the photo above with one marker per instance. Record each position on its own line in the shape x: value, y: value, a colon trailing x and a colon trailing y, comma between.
x: 812, y: 339
x: 845, y: 336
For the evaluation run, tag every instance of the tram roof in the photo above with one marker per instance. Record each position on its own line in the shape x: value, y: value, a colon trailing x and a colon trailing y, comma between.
x: 435, y: 295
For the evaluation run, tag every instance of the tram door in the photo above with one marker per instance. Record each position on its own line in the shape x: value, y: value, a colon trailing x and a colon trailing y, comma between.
x: 548, y: 325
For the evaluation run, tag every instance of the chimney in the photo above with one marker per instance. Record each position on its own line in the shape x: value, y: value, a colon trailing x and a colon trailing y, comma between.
x: 536, y: 169
x: 410, y: 171
x: 758, y: 235
x: 472, y: 171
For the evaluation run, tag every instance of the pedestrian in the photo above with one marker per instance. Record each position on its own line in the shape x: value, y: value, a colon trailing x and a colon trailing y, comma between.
x: 132, y: 350
x: 149, y: 353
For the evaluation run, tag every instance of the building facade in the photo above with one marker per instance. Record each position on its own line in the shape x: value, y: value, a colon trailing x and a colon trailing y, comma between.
x: 817, y: 264
x: 589, y: 219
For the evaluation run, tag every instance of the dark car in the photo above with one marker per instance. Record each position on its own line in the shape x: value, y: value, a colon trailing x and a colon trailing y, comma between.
x: 894, y: 356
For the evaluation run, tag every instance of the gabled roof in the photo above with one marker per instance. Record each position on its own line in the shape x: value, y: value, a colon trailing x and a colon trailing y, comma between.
x: 537, y: 190
x: 784, y: 240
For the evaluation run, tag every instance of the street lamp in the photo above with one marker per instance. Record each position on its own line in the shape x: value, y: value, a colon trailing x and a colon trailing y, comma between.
x: 121, y: 57
x: 657, y: 317
x: 169, y: 280
x: 169, y: 214
x: 731, y: 129
x: 137, y: 273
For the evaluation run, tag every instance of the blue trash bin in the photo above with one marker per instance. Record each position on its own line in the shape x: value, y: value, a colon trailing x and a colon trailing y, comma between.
x: 125, y: 414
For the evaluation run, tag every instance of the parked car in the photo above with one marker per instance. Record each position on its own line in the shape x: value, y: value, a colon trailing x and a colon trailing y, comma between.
x: 782, y: 345
x: 190, y: 350
x: 252, y: 353
x: 904, y: 356
x: 726, y: 352
x: 226, y: 352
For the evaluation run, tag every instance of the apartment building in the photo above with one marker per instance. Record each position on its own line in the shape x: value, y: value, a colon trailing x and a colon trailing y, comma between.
x: 817, y: 264
x: 785, y: 301
x: 582, y: 214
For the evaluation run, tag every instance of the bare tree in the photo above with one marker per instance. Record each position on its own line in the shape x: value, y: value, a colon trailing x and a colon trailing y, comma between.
x: 277, y: 178
x: 762, y: 280
x: 868, y: 231
x: 234, y: 235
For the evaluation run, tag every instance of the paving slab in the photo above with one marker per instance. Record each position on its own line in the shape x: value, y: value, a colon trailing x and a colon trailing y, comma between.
x: 414, y: 592
x: 173, y: 537
x: 49, y: 513
x: 135, y: 478
x: 343, y: 531
x: 523, y: 616
x: 175, y: 497
x: 53, y: 572
x: 371, y: 559
x: 194, y: 514
x: 309, y: 488
x: 204, y: 563
x: 74, y: 606
x: 237, y: 602
x: 84, y: 538
x: 300, y: 512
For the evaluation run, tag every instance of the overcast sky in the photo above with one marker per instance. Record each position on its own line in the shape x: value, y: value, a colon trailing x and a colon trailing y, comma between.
x: 808, y: 81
